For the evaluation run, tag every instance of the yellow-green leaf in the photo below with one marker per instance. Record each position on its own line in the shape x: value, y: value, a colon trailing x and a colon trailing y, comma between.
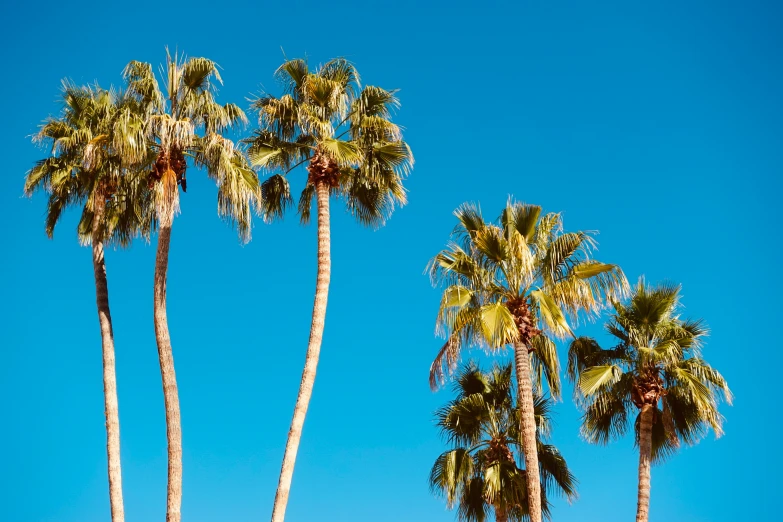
x: 456, y: 296
x: 595, y: 378
x: 497, y: 325
x: 551, y: 313
x: 590, y: 269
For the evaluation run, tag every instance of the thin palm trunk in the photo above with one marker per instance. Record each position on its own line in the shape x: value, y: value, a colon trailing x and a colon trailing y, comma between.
x: 645, y: 455
x: 166, y: 356
x: 311, y: 359
x: 527, y: 427
x: 110, y: 403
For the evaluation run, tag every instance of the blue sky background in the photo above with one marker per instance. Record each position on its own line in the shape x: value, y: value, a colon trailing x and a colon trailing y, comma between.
x: 658, y: 123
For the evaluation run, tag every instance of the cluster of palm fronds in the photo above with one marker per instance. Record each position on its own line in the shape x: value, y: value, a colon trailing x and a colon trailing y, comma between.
x: 520, y: 282
x: 122, y: 156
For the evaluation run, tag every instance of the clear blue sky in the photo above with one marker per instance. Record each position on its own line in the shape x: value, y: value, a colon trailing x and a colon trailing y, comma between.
x: 659, y: 124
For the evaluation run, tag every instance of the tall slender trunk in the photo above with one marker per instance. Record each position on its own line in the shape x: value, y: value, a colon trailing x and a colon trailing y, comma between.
x: 311, y: 359
x: 110, y: 403
x: 645, y: 455
x: 166, y: 356
x: 527, y: 427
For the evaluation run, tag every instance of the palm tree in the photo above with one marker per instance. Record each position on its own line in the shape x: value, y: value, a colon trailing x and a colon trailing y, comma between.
x: 515, y: 282
x: 93, y: 143
x: 187, y: 123
x: 352, y: 149
x: 482, y: 472
x: 655, y: 367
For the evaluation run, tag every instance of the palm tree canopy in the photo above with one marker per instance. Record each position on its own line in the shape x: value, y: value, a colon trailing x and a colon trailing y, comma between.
x: 656, y: 362
x: 187, y: 123
x: 520, y: 278
x: 483, y: 470
x: 96, y: 147
x: 326, y: 113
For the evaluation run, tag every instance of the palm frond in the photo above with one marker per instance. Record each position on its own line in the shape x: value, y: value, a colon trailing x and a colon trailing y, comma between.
x: 497, y: 325
x: 555, y: 472
x: 198, y: 74
x: 239, y: 192
x: 276, y: 197
x: 596, y: 378
x: 306, y: 203
x: 606, y: 413
x: 550, y: 314
x: 545, y: 364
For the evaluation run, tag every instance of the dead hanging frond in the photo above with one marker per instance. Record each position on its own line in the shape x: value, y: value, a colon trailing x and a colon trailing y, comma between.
x: 239, y: 191
x: 445, y: 363
x: 166, y: 197
x: 169, y: 132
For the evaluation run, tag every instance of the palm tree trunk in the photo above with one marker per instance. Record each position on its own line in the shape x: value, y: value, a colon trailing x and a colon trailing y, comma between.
x: 527, y: 428
x: 110, y: 403
x: 311, y: 359
x: 645, y: 455
x: 166, y: 356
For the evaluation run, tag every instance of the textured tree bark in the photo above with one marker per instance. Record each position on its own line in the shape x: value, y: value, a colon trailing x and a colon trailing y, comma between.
x: 166, y: 356
x: 110, y: 402
x: 645, y: 455
x: 500, y: 515
x: 311, y: 359
x: 527, y: 427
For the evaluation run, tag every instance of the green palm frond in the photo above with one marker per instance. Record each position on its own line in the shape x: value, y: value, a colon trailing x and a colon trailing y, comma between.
x: 521, y: 218
x: 472, y: 507
x: 276, y: 197
x: 292, y: 74
x: 565, y: 251
x: 497, y: 325
x: 451, y: 471
x: 198, y: 74
x: 581, y: 355
x: 546, y: 365
x: 278, y: 117
x: 596, y: 378
x: 305, y: 203
x: 550, y: 314
x: 374, y: 101
x: 268, y: 151
x: 489, y: 241
x: 141, y: 83
x: 605, y: 416
x: 555, y: 472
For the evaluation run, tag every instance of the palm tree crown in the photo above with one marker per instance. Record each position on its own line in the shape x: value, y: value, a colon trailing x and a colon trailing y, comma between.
x: 656, y: 363
x: 517, y: 280
x: 96, y: 145
x: 483, y: 472
x: 187, y: 122
x: 342, y: 129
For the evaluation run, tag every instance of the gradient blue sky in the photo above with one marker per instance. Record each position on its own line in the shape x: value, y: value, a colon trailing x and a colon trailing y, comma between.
x: 658, y: 124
